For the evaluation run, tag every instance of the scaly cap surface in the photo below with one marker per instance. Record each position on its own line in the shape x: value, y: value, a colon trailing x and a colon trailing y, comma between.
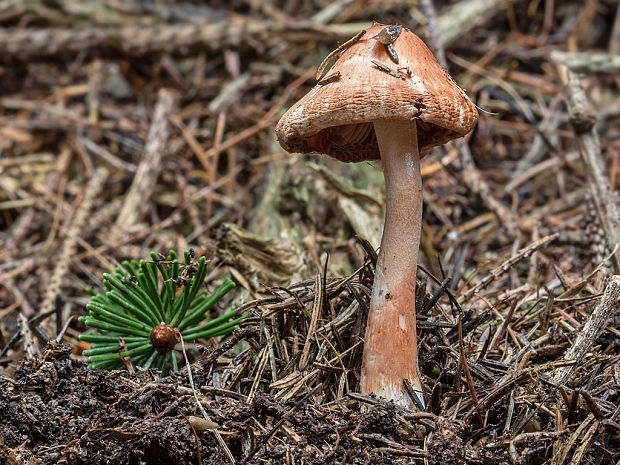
x: 335, y: 117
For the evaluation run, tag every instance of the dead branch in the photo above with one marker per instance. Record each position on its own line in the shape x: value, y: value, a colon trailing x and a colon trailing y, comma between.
x: 588, y: 62
x: 145, y: 179
x: 583, y: 119
x: 174, y: 39
x: 590, y: 331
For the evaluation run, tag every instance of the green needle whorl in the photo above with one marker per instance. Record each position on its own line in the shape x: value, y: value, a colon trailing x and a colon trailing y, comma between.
x: 150, y: 304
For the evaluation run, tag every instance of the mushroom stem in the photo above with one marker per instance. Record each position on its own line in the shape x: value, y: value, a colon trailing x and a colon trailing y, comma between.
x: 390, y: 348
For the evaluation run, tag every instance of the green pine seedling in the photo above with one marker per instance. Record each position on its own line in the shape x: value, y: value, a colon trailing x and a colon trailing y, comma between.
x: 149, y: 304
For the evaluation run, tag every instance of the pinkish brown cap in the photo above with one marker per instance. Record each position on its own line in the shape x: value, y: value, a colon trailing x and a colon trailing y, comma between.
x: 336, y: 116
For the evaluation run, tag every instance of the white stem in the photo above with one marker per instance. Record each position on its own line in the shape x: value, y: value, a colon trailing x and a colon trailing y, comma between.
x: 390, y: 347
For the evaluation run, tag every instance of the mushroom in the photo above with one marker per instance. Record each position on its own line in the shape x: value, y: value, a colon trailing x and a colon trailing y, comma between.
x: 366, y: 109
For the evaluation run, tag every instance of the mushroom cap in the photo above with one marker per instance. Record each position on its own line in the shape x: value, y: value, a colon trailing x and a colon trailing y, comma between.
x: 336, y: 116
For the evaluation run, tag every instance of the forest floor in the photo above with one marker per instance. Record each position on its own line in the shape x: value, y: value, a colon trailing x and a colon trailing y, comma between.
x: 131, y: 127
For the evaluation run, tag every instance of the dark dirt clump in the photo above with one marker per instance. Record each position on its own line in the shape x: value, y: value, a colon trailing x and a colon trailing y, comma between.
x: 56, y: 411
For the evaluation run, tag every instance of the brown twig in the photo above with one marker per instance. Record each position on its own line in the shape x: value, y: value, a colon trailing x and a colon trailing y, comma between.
x: 27, y: 43
x: 507, y: 265
x: 590, y: 331
x: 137, y: 199
x: 583, y: 119
x: 465, y: 365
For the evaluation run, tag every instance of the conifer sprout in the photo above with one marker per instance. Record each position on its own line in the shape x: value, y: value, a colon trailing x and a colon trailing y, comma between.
x: 150, y: 304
